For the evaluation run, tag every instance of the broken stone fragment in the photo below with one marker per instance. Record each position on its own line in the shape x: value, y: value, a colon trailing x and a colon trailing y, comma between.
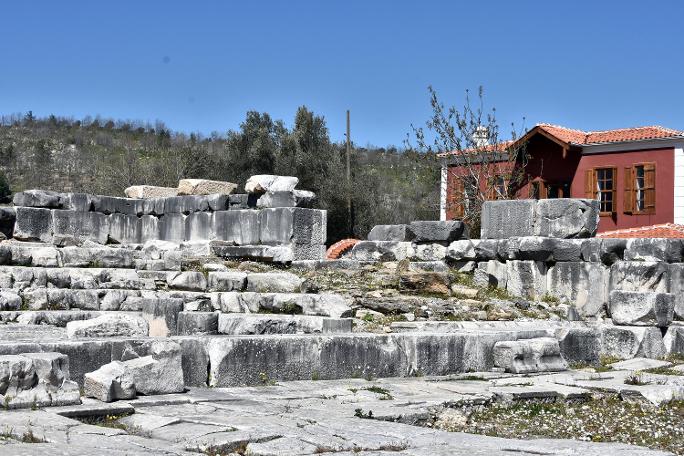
x: 295, y: 198
x: 205, y: 187
x: 274, y: 282
x: 526, y: 356
x: 110, y: 382
x: 108, y: 325
x: 263, y: 183
x: 149, y: 191
x: 161, y: 372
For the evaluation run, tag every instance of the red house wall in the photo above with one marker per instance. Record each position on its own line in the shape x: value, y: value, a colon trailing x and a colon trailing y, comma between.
x: 664, y: 210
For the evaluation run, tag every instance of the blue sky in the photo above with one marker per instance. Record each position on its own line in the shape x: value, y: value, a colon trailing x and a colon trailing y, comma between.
x: 200, y: 65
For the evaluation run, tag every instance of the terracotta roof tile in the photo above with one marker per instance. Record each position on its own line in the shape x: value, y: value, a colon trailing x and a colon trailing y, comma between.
x: 608, y: 136
x: 666, y: 230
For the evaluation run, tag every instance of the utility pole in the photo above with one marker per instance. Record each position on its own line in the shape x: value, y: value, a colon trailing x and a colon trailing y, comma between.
x: 349, y: 198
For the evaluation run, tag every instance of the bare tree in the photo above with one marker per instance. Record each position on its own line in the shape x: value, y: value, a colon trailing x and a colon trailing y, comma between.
x: 479, y: 165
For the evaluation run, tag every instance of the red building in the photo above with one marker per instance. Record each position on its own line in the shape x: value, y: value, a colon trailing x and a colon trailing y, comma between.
x: 636, y: 173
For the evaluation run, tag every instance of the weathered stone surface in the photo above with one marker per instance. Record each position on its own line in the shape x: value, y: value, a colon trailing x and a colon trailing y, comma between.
x: 33, y: 224
x: 627, y: 342
x: 227, y: 280
x: 526, y: 278
x: 641, y: 308
x: 197, y: 323
x: 567, y: 218
x: 425, y: 282
x: 462, y: 250
x: 161, y: 315
x: 274, y: 282
x: 124, y: 229
x: 250, y: 324
x: 240, y: 227
x: 9, y: 300
x: 668, y: 250
x: 109, y: 383
x: 390, y: 233
x: 161, y: 372
x: 295, y: 198
x: 292, y: 225
x: 438, y: 231
x: 172, y: 227
x: 674, y: 340
x: 5, y: 255
x: 38, y: 198
x: 580, y: 344
x: 582, y: 285
x: 205, y: 187
x: 505, y: 219
x: 640, y: 276
x: 429, y: 252
x: 527, y: 356
x: 8, y: 216
x: 677, y: 289
x: 490, y: 273
x: 149, y: 191
x: 189, y: 281
x: 108, y: 325
x: 263, y: 183
x: 102, y: 257
x: 382, y: 251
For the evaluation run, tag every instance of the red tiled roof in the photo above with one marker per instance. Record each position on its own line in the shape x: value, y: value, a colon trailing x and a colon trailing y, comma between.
x: 609, y: 136
x: 666, y: 230
x: 581, y: 138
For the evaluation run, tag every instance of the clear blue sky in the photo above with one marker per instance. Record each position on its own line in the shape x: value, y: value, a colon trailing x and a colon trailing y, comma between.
x: 200, y: 65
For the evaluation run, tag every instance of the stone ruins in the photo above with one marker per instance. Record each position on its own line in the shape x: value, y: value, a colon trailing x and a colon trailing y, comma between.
x: 209, y: 321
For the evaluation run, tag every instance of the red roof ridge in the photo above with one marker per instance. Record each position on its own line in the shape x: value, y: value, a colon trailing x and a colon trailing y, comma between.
x: 560, y: 126
x: 663, y: 230
x: 643, y: 127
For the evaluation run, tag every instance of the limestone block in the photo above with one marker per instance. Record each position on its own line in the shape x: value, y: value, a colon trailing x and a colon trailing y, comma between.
x: 205, y: 187
x: 251, y: 324
x: 298, y: 225
x: 674, y: 340
x: 161, y: 315
x: 108, y: 325
x: 274, y: 282
x: 299, y: 251
x: 185, y: 204
x: 462, y: 250
x: 8, y: 216
x: 582, y: 285
x: 640, y: 276
x: 227, y: 280
x: 38, y: 198
x: 527, y: 356
x: 85, y: 225
x: 5, y: 255
x: 149, y: 191
x: 197, y: 323
x: 17, y: 373
x: 9, y: 300
x: 189, y: 281
x: 239, y: 201
x: 391, y: 233
x: 115, y: 205
x: 77, y: 201
x: 668, y: 250
x: 490, y: 273
x: 237, y: 226
x: 579, y: 344
x: 110, y: 382
x: 161, y: 372
x: 47, y: 257
x: 33, y: 224
x: 124, y: 229
x: 263, y: 183
x: 567, y: 218
x: 677, y: 289
x: 505, y: 219
x: 199, y: 226
x: 382, y: 251
x: 626, y: 342
x: 295, y: 198
x: 172, y: 227
x: 430, y: 252
x: 526, y: 279
x: 438, y: 231
x: 635, y: 308
x: 51, y: 367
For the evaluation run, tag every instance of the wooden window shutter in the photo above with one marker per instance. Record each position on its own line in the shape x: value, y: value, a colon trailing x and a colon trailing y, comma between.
x: 589, y: 184
x: 614, y: 190
x: 459, y: 195
x: 629, y: 201
x: 649, y: 187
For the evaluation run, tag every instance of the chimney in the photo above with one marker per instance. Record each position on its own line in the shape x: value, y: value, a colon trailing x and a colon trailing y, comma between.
x: 481, y: 136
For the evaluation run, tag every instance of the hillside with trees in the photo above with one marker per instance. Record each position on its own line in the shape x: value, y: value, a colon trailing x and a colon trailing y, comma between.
x: 105, y: 156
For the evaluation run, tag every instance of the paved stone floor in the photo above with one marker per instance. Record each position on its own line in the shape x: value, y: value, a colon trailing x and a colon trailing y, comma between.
x: 313, y: 417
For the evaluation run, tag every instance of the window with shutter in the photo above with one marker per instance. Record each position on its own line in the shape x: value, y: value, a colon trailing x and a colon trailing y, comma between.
x: 589, y: 184
x: 605, y: 189
x: 649, y: 188
x: 629, y: 199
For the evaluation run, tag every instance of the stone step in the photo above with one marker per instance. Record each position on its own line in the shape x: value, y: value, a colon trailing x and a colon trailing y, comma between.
x: 325, y: 305
x: 205, y: 279
x: 194, y: 323
x: 221, y: 360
